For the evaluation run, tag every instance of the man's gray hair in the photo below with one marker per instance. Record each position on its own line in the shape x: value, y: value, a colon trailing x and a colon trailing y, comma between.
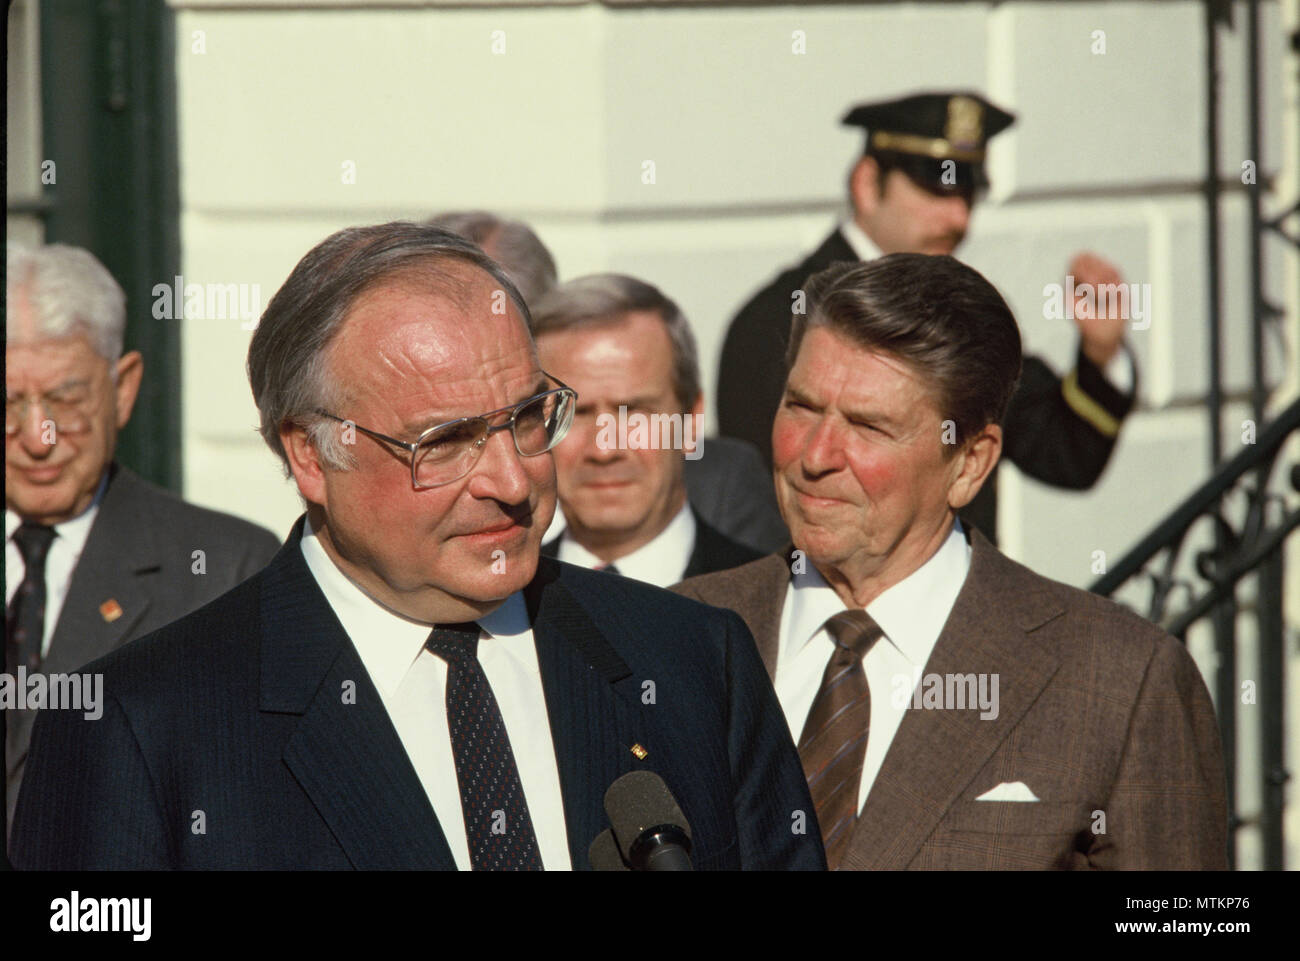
x: 70, y: 293
x: 287, y: 358
x: 600, y: 298
x: 511, y: 243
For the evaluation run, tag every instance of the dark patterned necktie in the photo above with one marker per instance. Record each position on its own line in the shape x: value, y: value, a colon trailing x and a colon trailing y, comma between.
x: 834, y: 740
x: 497, y: 825
x: 25, y: 619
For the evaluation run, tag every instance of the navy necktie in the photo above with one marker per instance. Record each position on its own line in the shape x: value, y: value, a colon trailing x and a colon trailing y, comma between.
x: 25, y: 621
x: 497, y: 825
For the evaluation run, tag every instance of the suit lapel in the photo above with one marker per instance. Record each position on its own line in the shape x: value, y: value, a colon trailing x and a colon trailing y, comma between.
x: 701, y: 549
x: 763, y: 590
x: 592, y: 701
x: 348, y: 757
x: 936, y: 753
x: 115, y: 567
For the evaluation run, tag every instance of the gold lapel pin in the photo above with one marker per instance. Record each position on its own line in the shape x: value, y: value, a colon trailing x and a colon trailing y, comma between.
x: 110, y: 610
x: 639, y: 752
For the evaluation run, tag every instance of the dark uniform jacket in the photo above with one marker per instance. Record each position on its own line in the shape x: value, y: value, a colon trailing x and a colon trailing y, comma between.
x: 1059, y: 431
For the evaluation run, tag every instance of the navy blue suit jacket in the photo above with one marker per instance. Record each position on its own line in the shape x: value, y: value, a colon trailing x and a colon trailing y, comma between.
x: 226, y: 742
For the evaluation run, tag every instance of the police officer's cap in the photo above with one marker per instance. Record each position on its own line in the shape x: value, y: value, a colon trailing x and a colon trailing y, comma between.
x: 919, y: 133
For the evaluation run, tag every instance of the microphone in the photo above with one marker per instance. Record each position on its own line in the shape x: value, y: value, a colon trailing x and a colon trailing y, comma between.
x: 648, y: 827
x: 603, y: 853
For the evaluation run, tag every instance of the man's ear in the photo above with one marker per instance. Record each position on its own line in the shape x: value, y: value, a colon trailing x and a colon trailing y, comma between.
x: 130, y: 369
x: 864, y: 187
x: 304, y: 461
x: 975, y: 462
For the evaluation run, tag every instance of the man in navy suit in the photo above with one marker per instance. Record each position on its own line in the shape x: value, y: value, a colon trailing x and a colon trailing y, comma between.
x: 407, y: 685
x: 628, y: 350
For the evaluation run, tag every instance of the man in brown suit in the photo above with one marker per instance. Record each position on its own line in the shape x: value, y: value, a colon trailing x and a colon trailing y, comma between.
x: 953, y: 709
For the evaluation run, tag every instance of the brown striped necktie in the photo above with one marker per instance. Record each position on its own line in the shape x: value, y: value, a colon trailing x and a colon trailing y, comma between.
x: 834, y: 740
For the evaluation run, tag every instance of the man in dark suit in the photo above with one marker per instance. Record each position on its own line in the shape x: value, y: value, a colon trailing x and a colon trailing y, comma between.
x: 913, y: 190
x: 731, y: 491
x: 94, y: 556
x: 628, y: 351
x: 954, y: 710
x: 407, y: 684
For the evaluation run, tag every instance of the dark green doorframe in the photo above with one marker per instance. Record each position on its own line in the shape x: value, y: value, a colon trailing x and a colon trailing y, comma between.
x: 108, y: 103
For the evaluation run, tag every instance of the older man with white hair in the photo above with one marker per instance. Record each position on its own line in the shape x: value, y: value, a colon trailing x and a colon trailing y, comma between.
x: 94, y: 555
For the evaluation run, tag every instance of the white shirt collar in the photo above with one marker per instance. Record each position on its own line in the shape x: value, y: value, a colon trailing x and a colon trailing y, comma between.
x: 387, y: 642
x: 862, y: 244
x: 661, y: 562
x: 911, y: 613
x: 72, y: 533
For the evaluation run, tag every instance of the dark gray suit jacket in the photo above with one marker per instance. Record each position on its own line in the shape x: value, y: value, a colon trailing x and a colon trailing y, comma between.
x: 1099, y: 711
x: 140, y: 553
x: 731, y: 488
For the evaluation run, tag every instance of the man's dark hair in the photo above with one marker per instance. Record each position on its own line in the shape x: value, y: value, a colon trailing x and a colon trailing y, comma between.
x: 940, y: 317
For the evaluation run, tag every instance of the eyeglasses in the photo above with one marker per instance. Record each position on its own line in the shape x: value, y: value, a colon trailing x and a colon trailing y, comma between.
x: 68, y: 406
x: 446, y: 452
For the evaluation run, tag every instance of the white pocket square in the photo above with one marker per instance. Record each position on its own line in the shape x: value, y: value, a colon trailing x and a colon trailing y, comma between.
x: 1009, y: 791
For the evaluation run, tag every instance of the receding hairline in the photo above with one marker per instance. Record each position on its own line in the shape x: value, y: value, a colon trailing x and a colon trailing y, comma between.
x: 616, y: 319
x: 431, y: 278
x: 606, y: 322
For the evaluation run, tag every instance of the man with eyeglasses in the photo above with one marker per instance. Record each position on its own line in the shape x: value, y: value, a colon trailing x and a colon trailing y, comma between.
x: 408, y: 684
x: 94, y: 555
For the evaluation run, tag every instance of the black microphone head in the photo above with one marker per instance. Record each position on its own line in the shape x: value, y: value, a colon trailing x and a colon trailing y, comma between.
x: 639, y: 801
x: 603, y: 853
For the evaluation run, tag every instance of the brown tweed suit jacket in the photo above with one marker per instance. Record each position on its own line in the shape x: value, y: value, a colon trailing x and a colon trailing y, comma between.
x: 1102, y: 715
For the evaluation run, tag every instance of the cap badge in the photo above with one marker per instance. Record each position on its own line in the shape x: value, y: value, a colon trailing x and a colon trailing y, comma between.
x: 965, y: 129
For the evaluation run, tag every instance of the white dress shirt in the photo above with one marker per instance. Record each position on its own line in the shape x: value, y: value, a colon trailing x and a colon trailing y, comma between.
x: 60, y: 563
x: 1118, y: 370
x: 661, y: 562
x: 911, y: 613
x: 413, y: 685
